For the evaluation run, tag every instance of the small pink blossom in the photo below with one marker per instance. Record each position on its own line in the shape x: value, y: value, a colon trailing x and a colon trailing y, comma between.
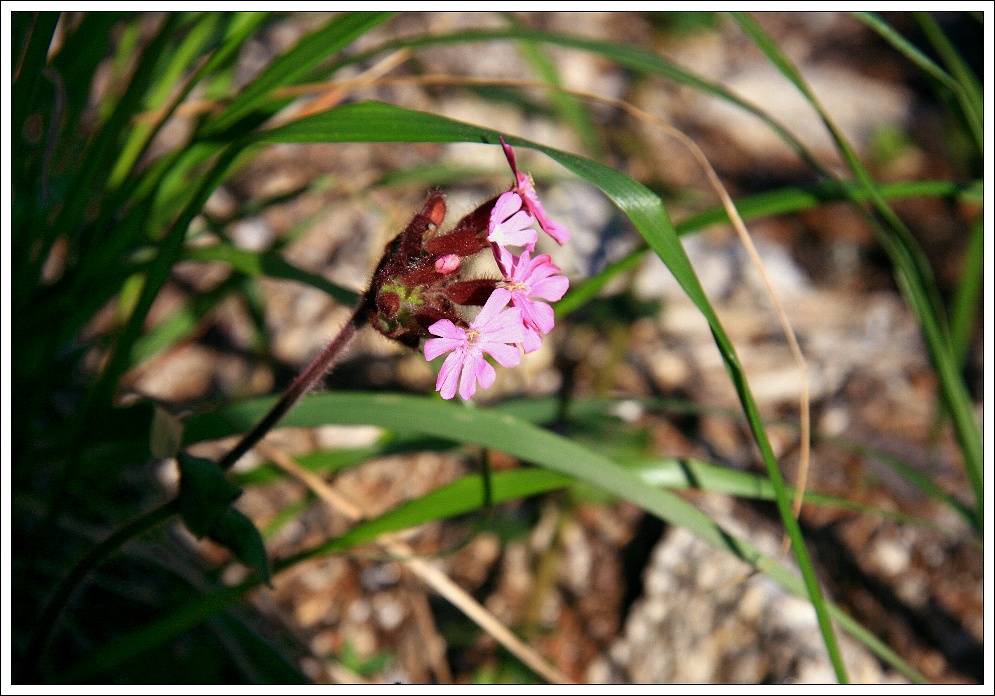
x: 530, y: 280
x: 495, y: 331
x: 526, y: 188
x: 510, y: 224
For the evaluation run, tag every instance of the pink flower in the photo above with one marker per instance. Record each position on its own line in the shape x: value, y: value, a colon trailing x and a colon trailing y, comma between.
x: 526, y: 188
x: 495, y: 331
x: 530, y: 280
x: 510, y: 224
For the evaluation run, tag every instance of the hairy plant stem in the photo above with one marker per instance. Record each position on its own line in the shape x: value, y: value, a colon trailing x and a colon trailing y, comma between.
x: 101, y: 551
x: 301, y: 385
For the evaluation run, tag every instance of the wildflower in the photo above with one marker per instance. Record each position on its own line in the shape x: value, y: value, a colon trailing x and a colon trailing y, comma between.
x: 530, y: 280
x: 494, y: 331
x: 421, y: 283
x: 509, y: 224
x: 525, y: 187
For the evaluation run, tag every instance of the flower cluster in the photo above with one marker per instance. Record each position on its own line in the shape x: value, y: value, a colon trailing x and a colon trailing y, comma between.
x: 418, y: 285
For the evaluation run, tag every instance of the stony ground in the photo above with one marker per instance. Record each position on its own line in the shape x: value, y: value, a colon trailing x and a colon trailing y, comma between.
x: 600, y: 589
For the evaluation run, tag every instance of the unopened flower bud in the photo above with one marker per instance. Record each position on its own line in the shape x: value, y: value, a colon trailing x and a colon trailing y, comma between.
x: 447, y: 264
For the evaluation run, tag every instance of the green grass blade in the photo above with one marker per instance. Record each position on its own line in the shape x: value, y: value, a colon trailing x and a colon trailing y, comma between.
x: 914, y: 277
x: 269, y: 264
x: 91, y: 177
x: 970, y: 103
x: 180, y: 324
x: 631, y: 57
x: 36, y: 30
x: 674, y: 473
x: 964, y: 308
x: 158, y: 273
x: 569, y: 109
x: 969, y: 94
x: 464, y: 495
x: 141, y: 135
x: 292, y: 66
x: 500, y: 431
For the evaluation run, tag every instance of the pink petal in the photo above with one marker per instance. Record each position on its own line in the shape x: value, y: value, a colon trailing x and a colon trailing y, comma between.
x: 498, y: 300
x: 555, y: 230
x: 448, y: 375
x: 447, y: 329
x: 506, y: 261
x: 434, y: 347
x: 538, y: 314
x: 505, y: 328
x: 532, y: 342
x: 509, y: 224
x: 507, y: 356
x: 485, y: 374
x: 551, y: 289
x: 468, y: 380
x: 508, y: 203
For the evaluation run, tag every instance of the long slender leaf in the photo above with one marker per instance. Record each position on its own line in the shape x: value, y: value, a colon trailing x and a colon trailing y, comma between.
x: 968, y: 94
x: 501, y: 431
x: 964, y: 90
x: 631, y: 57
x: 270, y: 264
x: 293, y: 65
x: 914, y: 278
x: 963, y: 310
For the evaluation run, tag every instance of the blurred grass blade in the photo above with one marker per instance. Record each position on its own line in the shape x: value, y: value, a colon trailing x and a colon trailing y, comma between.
x: 159, y: 270
x: 914, y: 278
x: 182, y: 323
x: 695, y: 474
x: 569, y: 108
x: 165, y: 83
x: 462, y: 496
x: 253, y: 102
x: 964, y: 89
x: 964, y: 307
x: 37, y: 29
x: 969, y: 94
x: 270, y: 264
x: 636, y: 59
x: 103, y: 148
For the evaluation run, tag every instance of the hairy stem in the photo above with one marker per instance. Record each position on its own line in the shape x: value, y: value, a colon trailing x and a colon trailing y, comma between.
x: 299, y: 387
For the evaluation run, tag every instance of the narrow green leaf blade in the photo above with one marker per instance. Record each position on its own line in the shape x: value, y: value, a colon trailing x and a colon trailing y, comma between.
x: 294, y: 65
